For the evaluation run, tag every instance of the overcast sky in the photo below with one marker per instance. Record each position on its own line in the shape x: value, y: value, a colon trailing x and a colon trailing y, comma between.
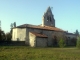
x: 66, y: 13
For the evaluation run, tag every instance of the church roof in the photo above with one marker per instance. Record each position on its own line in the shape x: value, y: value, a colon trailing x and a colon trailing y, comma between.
x: 70, y: 34
x: 40, y: 27
x: 39, y: 35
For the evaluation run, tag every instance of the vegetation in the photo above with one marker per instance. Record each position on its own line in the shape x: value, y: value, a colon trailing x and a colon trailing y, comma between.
x: 77, y: 33
x: 61, y: 43
x: 8, y: 36
x: 27, y: 53
x: 5, y: 37
x: 78, y: 43
x: 2, y: 35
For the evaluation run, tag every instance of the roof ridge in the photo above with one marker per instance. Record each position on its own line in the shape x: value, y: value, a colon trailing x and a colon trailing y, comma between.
x: 38, y: 34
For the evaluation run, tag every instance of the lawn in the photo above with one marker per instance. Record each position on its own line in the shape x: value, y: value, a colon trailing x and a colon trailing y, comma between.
x: 28, y: 53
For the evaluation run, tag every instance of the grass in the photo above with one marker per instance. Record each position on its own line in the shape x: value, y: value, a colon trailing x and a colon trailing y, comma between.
x: 28, y: 53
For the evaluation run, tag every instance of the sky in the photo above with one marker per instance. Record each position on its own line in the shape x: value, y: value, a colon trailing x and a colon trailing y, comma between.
x: 66, y: 13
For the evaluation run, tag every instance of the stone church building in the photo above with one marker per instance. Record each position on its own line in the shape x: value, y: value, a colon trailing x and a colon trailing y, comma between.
x: 39, y: 35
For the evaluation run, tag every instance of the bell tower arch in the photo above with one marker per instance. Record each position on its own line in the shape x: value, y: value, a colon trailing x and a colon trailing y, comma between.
x: 48, y: 18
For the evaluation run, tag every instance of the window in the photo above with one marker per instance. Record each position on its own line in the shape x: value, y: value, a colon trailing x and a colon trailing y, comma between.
x: 49, y: 18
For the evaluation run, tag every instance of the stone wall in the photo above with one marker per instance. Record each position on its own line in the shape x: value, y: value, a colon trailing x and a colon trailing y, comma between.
x: 32, y: 39
x: 19, y: 34
x: 23, y: 35
x: 71, y: 36
x: 71, y: 39
x: 49, y: 34
x: 41, y: 42
x: 14, y: 34
x: 35, y: 41
x: 27, y: 33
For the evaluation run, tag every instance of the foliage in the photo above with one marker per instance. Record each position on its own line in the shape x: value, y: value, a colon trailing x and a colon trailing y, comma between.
x: 77, y: 33
x: 60, y: 37
x: 61, y: 43
x: 2, y: 35
x: 78, y: 42
x: 8, y: 36
x: 27, y: 53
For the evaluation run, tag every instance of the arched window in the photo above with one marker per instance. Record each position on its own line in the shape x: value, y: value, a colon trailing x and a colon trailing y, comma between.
x: 55, y: 40
x: 49, y: 18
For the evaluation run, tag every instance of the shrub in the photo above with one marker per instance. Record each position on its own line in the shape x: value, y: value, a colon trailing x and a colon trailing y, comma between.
x: 61, y: 43
x: 78, y: 43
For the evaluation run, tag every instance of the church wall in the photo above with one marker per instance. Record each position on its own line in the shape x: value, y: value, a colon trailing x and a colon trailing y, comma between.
x: 27, y: 34
x: 41, y: 42
x: 71, y: 36
x: 35, y: 41
x: 32, y: 40
x: 23, y: 35
x: 14, y: 34
x: 38, y: 30
x: 50, y: 38
x: 34, y: 30
x: 46, y: 32
x: 71, y: 39
x: 60, y: 35
x: 19, y: 34
x: 27, y: 37
x: 51, y: 35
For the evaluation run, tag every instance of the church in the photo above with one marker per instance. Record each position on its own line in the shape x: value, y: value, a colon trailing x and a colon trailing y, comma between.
x: 39, y: 35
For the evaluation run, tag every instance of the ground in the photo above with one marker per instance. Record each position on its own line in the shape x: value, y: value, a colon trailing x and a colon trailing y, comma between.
x: 28, y: 53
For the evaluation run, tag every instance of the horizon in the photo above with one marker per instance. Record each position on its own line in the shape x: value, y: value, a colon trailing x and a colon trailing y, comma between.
x: 66, y: 13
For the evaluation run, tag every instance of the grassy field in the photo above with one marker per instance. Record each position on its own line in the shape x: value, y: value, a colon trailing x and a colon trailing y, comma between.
x: 27, y: 53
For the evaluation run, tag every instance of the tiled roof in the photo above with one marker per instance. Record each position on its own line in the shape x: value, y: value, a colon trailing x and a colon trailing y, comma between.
x: 40, y: 27
x: 39, y: 35
x: 70, y: 34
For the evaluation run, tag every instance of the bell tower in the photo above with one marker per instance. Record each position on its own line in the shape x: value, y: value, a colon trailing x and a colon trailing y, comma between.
x: 48, y: 18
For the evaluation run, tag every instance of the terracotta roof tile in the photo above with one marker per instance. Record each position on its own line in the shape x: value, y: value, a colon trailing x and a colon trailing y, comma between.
x: 40, y: 27
x: 39, y: 35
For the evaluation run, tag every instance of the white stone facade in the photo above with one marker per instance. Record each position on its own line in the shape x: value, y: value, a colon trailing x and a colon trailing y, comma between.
x: 19, y: 34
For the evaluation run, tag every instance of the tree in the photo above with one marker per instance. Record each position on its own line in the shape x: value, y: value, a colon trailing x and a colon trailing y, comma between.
x: 14, y: 24
x: 78, y: 42
x: 8, y: 36
x: 11, y: 25
x: 2, y: 35
x: 77, y: 33
x: 11, y: 29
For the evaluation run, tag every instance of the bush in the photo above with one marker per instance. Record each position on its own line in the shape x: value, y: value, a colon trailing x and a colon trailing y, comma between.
x: 61, y: 43
x: 78, y: 43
